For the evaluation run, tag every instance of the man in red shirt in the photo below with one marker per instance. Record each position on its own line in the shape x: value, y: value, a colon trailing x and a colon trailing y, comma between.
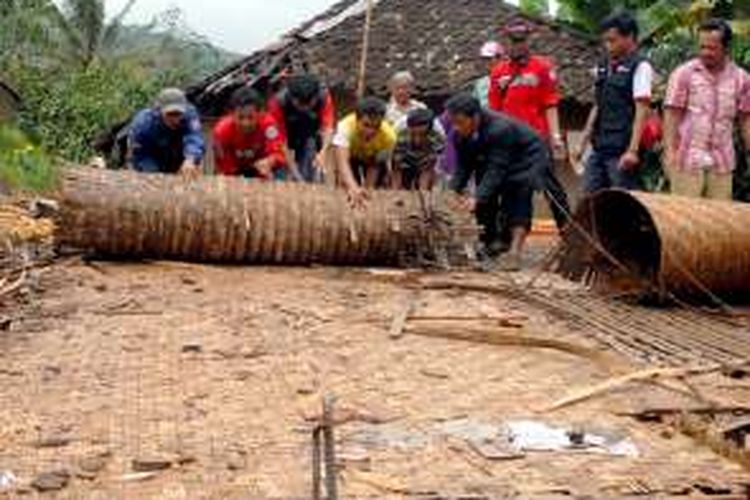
x: 248, y: 141
x: 305, y: 113
x: 525, y: 87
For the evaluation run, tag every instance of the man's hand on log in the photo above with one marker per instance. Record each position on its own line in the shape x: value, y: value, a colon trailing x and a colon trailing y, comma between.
x: 320, y: 161
x: 358, y: 197
x: 264, y: 167
x: 463, y: 203
x: 190, y: 170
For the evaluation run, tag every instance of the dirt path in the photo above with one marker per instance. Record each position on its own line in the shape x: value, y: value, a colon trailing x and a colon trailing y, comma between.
x: 217, y: 369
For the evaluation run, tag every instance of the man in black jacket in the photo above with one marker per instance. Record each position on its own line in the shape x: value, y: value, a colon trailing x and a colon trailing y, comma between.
x: 507, y: 159
x: 623, y: 99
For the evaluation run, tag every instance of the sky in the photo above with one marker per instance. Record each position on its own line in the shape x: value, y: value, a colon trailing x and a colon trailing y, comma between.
x: 237, y: 25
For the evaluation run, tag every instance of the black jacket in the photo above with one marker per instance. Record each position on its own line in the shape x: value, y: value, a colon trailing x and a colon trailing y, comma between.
x: 614, y: 100
x: 502, y: 151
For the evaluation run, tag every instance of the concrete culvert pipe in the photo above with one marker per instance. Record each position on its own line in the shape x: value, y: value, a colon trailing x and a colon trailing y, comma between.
x: 641, y: 242
x: 230, y: 220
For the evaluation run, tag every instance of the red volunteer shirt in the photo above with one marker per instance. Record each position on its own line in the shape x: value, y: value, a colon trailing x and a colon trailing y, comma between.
x: 525, y: 92
x: 327, y: 113
x: 238, y: 150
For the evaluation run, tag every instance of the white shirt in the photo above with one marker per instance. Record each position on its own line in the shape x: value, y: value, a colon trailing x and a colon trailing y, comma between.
x: 643, y: 81
x: 397, y: 115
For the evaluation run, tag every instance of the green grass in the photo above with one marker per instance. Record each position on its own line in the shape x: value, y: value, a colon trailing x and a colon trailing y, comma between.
x: 24, y: 167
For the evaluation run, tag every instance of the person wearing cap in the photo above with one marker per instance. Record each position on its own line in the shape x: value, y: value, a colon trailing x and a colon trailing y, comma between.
x: 418, y: 149
x: 168, y: 137
x: 505, y: 157
x: 622, y: 106
x: 306, y: 116
x: 524, y: 86
x: 248, y: 141
x: 492, y: 53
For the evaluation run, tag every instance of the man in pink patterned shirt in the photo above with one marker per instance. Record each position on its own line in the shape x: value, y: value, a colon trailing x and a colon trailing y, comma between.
x: 705, y: 97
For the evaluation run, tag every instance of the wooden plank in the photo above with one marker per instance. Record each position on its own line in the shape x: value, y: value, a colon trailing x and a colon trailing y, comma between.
x: 402, y: 316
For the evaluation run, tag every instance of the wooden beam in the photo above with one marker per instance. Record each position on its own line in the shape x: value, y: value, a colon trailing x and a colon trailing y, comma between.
x: 365, y: 50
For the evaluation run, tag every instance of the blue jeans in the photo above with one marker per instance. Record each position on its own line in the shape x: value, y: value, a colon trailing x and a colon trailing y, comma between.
x: 151, y: 165
x: 305, y: 157
x: 602, y: 172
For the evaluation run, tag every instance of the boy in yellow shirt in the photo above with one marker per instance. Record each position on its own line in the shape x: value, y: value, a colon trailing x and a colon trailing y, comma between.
x: 364, y: 144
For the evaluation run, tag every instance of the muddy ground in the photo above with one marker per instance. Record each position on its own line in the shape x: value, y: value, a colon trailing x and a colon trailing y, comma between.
x: 214, y: 375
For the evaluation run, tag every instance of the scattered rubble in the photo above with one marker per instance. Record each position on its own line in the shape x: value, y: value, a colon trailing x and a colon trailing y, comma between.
x: 51, y: 481
x: 152, y: 463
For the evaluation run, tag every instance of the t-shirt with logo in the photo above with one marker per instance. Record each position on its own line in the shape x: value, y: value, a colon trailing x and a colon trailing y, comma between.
x: 238, y: 150
x: 525, y: 91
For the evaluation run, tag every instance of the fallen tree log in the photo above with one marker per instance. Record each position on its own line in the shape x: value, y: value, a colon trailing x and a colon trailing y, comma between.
x: 218, y: 219
x: 671, y: 245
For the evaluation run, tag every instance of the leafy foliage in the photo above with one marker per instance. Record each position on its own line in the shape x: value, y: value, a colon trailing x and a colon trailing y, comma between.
x: 535, y: 7
x: 79, y: 74
x: 24, y: 166
x: 65, y: 112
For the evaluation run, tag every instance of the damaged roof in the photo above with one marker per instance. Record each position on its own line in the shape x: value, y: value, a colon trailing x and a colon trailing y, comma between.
x: 437, y: 40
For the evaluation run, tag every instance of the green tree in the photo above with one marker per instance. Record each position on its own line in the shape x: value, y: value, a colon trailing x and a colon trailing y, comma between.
x: 25, y: 31
x: 85, y: 31
x: 65, y: 112
x: 535, y: 7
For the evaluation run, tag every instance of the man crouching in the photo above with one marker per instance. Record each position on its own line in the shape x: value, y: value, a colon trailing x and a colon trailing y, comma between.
x: 506, y: 158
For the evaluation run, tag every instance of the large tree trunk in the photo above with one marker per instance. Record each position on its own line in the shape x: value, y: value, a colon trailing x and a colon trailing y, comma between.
x: 220, y: 219
x: 673, y: 245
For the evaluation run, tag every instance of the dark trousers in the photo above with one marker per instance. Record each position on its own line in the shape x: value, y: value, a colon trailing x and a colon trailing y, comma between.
x: 166, y: 161
x: 304, y: 155
x: 509, y: 205
x: 556, y: 196
x: 603, y: 172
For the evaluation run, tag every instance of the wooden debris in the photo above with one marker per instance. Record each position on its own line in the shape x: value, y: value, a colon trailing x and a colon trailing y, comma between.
x: 467, y: 455
x: 51, y: 481
x: 152, y: 463
x: 381, y: 482
x: 513, y: 337
x: 700, y: 430
x: 655, y: 413
x: 639, y: 376
x: 516, y: 321
x: 402, y: 316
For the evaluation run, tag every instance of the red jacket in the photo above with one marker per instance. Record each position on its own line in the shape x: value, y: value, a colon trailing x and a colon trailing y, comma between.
x: 326, y: 117
x: 238, y: 150
x: 652, y: 132
x: 525, y: 92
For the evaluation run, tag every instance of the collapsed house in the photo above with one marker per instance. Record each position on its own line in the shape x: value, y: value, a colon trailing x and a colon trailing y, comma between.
x: 437, y: 40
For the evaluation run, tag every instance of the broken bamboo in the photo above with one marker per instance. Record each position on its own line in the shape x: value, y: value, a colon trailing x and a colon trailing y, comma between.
x: 650, y: 374
x: 511, y: 337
